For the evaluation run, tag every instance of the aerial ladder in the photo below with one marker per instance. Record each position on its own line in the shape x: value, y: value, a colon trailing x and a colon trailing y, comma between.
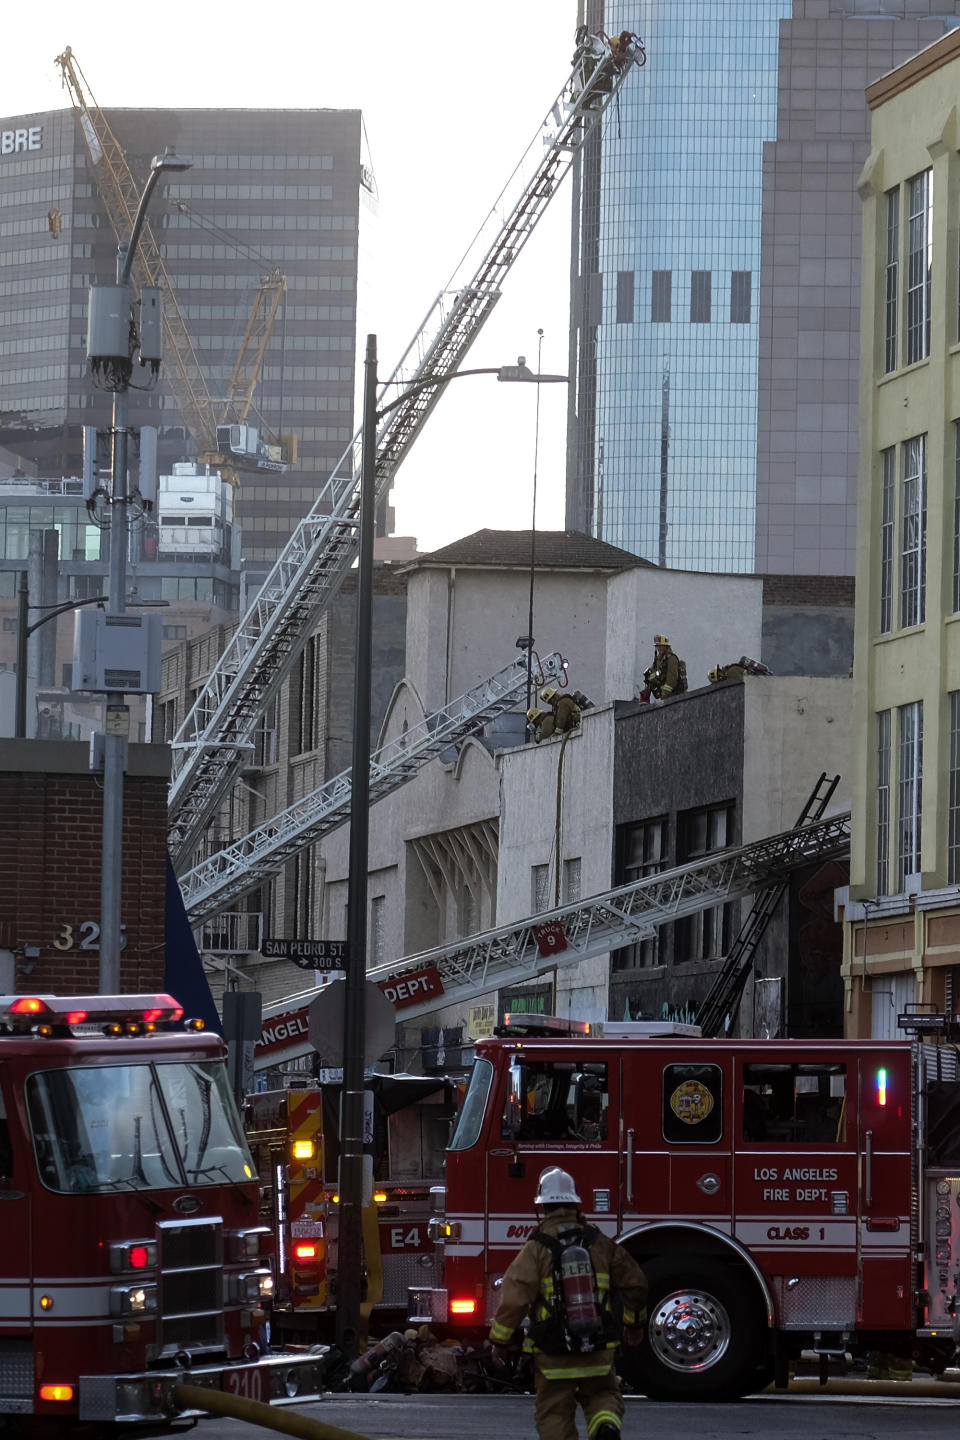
x: 218, y: 732
x: 185, y: 379
x: 238, y: 868
x: 555, y: 939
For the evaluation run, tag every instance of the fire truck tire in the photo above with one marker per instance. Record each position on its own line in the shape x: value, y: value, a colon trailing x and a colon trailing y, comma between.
x: 705, y: 1335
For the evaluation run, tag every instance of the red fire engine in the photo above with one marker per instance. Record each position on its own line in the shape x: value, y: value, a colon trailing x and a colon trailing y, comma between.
x: 781, y: 1195
x: 294, y: 1138
x: 131, y: 1239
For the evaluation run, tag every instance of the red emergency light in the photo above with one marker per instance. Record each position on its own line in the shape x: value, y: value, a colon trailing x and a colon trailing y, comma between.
x: 463, y: 1307
x: 56, y: 1392
x: 306, y: 1250
x: 70, y: 1010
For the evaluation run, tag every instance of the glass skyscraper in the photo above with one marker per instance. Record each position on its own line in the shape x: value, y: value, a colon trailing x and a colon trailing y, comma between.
x: 715, y: 276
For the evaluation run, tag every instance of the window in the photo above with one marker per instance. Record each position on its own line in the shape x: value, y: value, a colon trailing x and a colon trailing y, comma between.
x: 887, y: 509
x: 795, y: 1104
x: 474, y: 1107
x: 913, y: 549
x: 660, y: 296
x: 556, y: 1100
x: 9, y: 624
x: 377, y: 947
x: 700, y: 283
x: 540, y: 892
x: 893, y: 280
x: 174, y: 632
x: 692, y: 1104
x: 571, y: 880
x: 644, y: 853
x: 883, y: 802
x: 625, y: 297
x: 953, y: 819
x: 919, y: 239
x: 740, y: 297
x: 909, y: 791
x: 707, y: 934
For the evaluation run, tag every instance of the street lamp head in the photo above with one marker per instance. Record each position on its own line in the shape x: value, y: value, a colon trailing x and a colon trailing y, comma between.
x: 168, y: 160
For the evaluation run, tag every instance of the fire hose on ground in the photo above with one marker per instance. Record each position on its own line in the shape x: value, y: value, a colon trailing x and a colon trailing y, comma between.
x: 254, y: 1412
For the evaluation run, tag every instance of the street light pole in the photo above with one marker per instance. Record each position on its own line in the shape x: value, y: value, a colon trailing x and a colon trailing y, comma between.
x: 116, y: 712
x: 350, y: 1208
x: 350, y: 1215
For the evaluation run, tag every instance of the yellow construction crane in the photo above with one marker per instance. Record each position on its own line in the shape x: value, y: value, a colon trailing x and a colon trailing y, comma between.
x: 218, y: 427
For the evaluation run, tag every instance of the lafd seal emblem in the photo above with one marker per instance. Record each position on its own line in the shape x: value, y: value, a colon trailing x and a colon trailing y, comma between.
x: 691, y: 1102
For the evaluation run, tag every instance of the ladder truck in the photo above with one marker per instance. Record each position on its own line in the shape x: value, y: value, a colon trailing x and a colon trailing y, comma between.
x: 218, y: 732
x: 284, y: 1126
x: 242, y: 866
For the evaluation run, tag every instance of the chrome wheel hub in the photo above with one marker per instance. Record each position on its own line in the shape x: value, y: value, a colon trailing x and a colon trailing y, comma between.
x: 689, y: 1330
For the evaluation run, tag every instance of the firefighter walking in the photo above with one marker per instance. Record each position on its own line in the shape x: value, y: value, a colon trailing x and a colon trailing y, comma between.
x: 571, y: 1280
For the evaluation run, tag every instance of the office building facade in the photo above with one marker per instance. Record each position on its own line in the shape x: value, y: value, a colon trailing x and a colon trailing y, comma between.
x: 268, y: 188
x: 902, y: 925
x: 714, y: 280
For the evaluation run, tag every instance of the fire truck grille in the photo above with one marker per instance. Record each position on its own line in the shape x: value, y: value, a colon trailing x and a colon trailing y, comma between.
x: 191, y: 1286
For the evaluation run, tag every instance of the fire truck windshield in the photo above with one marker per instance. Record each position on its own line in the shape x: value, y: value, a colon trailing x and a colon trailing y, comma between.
x: 474, y: 1107
x: 136, y: 1127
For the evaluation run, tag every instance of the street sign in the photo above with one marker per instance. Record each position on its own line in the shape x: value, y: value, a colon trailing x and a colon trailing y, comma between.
x: 326, y: 1023
x: 308, y: 954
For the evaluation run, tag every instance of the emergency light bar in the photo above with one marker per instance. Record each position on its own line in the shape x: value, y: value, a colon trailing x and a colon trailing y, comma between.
x: 522, y: 1023
x: 23, y: 1011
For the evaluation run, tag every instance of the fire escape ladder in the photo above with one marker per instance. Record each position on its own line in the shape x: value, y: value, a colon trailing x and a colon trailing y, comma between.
x: 216, y: 734
x: 720, y: 1007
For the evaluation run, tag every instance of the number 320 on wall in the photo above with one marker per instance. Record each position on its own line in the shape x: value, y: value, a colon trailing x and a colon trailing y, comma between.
x: 87, y: 939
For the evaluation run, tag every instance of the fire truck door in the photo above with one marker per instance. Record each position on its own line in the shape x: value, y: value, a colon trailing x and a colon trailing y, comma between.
x: 14, y: 1227
x: 884, y: 1198
x: 556, y: 1112
x: 692, y: 1124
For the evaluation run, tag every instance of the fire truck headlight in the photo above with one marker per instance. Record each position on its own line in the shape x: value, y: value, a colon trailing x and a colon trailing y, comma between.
x: 253, y: 1287
x: 245, y: 1244
x: 133, y: 1299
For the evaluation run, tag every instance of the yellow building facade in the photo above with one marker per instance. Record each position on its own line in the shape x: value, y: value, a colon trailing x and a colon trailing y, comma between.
x: 902, y: 921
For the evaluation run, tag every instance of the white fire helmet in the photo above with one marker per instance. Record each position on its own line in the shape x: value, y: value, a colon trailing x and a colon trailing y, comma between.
x: 556, y: 1188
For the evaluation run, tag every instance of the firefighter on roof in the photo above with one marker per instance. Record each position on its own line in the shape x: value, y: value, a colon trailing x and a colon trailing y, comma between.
x: 564, y: 714
x: 667, y: 675
x: 566, y: 1278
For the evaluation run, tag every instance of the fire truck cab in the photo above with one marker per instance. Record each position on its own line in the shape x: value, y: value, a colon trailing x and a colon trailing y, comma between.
x: 780, y: 1195
x: 130, y: 1237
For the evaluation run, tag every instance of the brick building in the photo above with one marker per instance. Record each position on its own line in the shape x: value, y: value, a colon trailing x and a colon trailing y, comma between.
x: 50, y: 849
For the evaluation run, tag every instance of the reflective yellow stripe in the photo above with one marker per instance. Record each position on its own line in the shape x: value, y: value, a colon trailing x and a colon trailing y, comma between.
x: 580, y: 1373
x: 603, y: 1417
x: 499, y: 1333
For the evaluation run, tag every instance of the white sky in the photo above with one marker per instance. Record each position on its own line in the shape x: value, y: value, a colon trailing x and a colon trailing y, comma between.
x: 452, y: 92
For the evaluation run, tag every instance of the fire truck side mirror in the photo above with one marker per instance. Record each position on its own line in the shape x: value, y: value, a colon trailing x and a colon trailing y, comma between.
x: 514, y: 1108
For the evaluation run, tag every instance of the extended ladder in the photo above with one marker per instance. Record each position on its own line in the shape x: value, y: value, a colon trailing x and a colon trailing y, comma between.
x: 210, y: 745
x: 242, y: 866
x: 453, y: 974
x: 724, y: 996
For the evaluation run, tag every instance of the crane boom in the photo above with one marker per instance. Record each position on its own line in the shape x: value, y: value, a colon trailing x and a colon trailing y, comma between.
x: 120, y: 195
x: 522, y: 951
x: 242, y: 866
x: 209, y: 747
x: 186, y: 381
